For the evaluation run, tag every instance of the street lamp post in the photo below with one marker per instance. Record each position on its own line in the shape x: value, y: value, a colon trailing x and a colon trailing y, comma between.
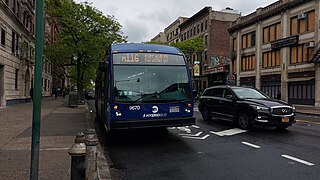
x: 36, y: 116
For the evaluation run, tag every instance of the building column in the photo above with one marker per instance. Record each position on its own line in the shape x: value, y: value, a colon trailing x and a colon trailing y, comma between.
x: 285, y: 60
x: 317, y: 67
x: 238, y: 58
x: 258, y: 55
x: 317, y: 87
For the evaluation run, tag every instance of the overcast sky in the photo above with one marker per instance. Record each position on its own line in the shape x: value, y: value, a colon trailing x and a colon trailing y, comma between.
x: 141, y: 20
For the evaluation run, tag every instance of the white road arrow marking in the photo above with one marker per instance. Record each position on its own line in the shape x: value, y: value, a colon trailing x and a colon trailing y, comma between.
x: 184, y: 129
x: 195, y: 126
x: 198, y: 134
x: 192, y: 137
x: 229, y: 132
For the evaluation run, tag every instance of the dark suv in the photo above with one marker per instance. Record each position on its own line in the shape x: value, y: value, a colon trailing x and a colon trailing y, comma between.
x: 246, y: 106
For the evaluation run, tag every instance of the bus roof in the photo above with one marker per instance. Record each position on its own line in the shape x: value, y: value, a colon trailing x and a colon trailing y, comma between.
x: 141, y: 47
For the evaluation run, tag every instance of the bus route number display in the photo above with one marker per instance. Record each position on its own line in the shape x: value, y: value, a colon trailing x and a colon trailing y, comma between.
x: 148, y: 58
x: 145, y: 58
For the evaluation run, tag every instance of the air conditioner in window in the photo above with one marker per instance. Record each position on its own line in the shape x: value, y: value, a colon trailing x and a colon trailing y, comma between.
x: 302, y: 16
x: 310, y: 44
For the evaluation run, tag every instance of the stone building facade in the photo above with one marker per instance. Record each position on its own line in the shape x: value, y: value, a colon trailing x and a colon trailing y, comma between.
x: 276, y: 50
x: 172, y: 32
x: 160, y: 38
x: 17, y: 52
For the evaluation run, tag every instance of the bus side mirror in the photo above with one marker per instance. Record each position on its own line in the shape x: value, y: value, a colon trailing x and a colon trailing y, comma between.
x: 194, y: 93
x: 103, y: 66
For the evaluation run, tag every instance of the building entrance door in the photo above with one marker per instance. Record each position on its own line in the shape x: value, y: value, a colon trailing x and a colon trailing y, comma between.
x: 2, y: 99
x: 27, y: 84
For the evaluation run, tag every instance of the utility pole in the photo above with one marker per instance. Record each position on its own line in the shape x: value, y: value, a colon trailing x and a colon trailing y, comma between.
x: 36, y: 116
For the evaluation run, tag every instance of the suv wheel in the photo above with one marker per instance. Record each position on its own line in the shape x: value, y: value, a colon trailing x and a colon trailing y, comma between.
x: 205, y: 114
x: 244, y: 121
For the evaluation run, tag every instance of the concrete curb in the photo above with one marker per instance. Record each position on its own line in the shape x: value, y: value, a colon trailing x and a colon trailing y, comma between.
x: 306, y: 113
x: 102, y: 163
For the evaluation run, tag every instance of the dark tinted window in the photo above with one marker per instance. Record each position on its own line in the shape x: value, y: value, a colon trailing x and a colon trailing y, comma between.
x: 227, y: 92
x: 216, y: 92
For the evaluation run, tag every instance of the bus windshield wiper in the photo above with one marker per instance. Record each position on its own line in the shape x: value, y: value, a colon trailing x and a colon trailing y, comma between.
x: 144, y: 95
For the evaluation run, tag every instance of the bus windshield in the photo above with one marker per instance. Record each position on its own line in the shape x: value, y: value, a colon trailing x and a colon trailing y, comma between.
x: 145, y: 83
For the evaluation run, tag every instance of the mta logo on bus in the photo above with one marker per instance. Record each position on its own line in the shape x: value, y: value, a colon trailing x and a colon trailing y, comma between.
x: 155, y: 109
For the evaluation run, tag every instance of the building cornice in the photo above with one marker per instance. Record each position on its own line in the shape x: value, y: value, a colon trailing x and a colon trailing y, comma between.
x: 203, y: 12
x: 264, y: 13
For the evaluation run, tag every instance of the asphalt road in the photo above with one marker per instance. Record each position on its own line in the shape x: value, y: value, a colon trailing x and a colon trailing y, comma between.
x: 217, y: 150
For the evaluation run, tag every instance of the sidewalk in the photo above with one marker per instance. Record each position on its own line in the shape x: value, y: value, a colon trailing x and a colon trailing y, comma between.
x: 59, y: 125
x: 308, y: 110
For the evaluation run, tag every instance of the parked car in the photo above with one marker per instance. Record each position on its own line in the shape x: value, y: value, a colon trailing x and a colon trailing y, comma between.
x: 90, y: 94
x: 245, y: 106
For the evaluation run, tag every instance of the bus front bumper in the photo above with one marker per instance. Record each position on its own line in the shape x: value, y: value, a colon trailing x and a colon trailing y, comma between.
x: 149, y: 123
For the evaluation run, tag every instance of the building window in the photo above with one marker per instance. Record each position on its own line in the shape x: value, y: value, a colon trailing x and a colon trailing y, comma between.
x: 188, y: 34
x: 206, y: 39
x: 201, y: 26
x: 198, y: 27
x: 194, y: 30
x: 271, y: 59
x: 205, y: 55
x: 3, y: 37
x: 249, y: 40
x: 16, y: 79
x: 7, y: 2
x: 300, y: 54
x: 15, y: 43
x: 248, y: 63
x: 234, y: 44
x: 206, y: 24
x: 177, y: 31
x: 302, y: 23
x: 191, y: 32
x: 271, y: 33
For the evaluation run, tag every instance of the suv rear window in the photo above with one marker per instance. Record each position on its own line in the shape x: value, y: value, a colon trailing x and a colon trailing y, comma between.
x: 215, y: 92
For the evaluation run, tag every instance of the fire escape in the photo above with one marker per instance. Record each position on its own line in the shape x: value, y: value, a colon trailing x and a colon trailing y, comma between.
x: 315, y: 56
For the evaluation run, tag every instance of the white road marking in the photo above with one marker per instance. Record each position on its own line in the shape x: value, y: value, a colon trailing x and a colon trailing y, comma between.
x: 198, y: 134
x: 184, y: 129
x: 54, y: 149
x: 196, y: 109
x: 229, y: 132
x: 252, y: 145
x: 200, y: 138
x: 298, y: 160
x: 195, y: 126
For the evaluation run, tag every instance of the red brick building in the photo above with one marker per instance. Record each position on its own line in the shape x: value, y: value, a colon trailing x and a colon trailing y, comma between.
x: 214, y: 59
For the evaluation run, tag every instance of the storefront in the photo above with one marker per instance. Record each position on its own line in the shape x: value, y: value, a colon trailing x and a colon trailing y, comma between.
x: 248, y: 81
x: 301, y: 88
x: 217, y: 76
x: 271, y: 85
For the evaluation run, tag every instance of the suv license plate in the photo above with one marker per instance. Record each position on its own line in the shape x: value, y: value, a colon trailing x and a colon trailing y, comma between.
x: 285, y: 119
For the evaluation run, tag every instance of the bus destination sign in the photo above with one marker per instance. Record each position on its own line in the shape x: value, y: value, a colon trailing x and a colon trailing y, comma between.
x: 148, y: 58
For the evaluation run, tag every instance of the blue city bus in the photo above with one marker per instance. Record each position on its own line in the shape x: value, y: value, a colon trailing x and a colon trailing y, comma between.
x: 144, y: 85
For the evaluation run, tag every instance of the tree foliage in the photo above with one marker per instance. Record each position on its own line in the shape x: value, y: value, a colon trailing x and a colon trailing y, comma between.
x: 190, y: 46
x: 84, y: 34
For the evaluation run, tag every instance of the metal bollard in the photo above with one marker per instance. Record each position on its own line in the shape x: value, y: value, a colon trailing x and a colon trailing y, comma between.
x: 78, y: 154
x: 91, y: 155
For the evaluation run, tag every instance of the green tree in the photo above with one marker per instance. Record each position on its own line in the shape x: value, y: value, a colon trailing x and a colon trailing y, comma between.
x: 190, y: 46
x: 84, y: 34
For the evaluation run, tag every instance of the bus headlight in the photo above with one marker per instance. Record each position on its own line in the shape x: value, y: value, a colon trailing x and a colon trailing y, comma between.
x: 187, y: 110
x: 118, y: 113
